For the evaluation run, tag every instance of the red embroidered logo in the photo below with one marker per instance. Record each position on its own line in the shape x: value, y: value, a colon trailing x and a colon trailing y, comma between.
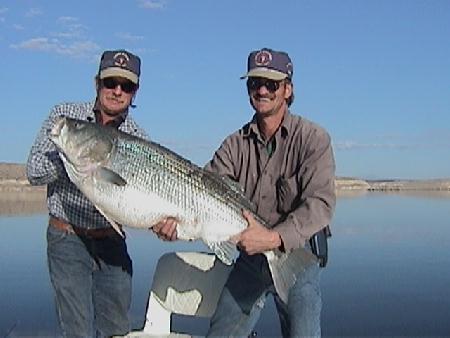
x: 263, y: 58
x: 121, y: 59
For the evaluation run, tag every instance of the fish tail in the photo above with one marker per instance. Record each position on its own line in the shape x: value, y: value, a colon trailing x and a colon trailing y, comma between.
x: 225, y: 251
x: 285, y: 267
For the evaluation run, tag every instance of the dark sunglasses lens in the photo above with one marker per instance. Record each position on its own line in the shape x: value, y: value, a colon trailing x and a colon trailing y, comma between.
x: 128, y: 87
x: 251, y: 84
x: 111, y: 83
x: 271, y: 85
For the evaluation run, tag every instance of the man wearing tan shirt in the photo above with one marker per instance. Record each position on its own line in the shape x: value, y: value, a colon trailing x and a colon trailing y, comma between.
x: 285, y: 165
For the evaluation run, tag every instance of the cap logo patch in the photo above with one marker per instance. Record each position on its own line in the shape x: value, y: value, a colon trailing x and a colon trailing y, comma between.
x: 121, y: 59
x: 263, y: 58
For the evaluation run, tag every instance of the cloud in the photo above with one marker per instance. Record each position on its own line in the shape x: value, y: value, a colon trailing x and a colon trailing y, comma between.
x: 71, y: 40
x: 152, y: 4
x: 3, y: 10
x: 18, y: 27
x: 77, y: 49
x: 36, y: 44
x: 142, y: 50
x: 67, y: 19
x: 130, y: 37
x: 32, y: 12
x: 71, y: 26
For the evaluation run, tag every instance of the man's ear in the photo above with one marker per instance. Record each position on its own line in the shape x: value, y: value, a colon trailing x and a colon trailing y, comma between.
x: 287, y: 90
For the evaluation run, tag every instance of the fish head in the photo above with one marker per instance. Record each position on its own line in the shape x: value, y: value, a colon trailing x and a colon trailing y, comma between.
x: 83, y: 144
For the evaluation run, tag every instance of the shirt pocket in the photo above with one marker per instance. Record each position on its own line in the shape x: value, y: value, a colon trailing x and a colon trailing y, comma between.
x: 288, y: 194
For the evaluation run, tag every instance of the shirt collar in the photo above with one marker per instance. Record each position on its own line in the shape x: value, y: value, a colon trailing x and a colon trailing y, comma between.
x: 251, y: 128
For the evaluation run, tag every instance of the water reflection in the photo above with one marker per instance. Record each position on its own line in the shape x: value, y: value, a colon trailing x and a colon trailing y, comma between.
x: 387, y: 275
x: 22, y: 203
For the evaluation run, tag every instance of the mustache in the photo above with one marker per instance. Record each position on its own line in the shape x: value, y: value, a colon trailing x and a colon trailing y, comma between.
x: 116, y: 99
x: 257, y: 96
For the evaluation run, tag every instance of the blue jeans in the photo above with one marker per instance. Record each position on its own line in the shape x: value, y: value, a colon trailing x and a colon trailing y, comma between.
x: 299, y: 318
x: 92, y: 283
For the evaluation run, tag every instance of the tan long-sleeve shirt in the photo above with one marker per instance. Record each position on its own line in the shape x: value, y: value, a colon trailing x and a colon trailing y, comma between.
x: 291, y: 185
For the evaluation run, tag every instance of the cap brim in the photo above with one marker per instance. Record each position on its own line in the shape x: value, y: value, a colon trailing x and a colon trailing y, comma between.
x: 266, y: 73
x: 116, y: 71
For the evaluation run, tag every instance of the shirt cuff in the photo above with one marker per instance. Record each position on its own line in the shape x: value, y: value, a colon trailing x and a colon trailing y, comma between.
x: 290, y: 236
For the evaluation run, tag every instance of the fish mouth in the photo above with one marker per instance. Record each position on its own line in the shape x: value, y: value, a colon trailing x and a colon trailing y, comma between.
x: 56, y: 130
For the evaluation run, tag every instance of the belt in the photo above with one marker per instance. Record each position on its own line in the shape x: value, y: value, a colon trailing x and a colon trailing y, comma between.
x: 88, y: 233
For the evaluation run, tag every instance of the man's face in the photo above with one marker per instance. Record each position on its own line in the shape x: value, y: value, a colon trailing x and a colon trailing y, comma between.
x: 115, y: 94
x: 268, y: 97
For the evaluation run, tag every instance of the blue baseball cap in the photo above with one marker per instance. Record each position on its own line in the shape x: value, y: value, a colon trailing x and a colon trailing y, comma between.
x: 270, y: 64
x: 120, y: 63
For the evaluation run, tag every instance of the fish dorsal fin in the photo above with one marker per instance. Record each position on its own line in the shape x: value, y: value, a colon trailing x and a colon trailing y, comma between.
x: 232, y: 183
x: 110, y: 176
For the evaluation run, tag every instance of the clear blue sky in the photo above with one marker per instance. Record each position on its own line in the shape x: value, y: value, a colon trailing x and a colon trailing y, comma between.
x: 375, y: 74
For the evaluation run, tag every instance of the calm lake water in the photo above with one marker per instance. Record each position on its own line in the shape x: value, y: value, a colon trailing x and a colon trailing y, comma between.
x: 388, y: 272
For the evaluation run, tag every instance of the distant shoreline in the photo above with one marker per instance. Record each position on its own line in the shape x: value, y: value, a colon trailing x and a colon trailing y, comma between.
x: 18, y: 197
x: 392, y: 185
x: 13, y: 180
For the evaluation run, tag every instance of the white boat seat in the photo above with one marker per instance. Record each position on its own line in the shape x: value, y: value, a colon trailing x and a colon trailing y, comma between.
x: 186, y: 283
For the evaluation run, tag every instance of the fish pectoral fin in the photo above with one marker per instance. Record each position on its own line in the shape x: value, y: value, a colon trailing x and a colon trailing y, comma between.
x: 110, y: 176
x: 225, y: 251
x: 113, y: 223
x: 285, y: 267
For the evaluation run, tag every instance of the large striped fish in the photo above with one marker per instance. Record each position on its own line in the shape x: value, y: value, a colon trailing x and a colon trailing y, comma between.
x: 138, y: 183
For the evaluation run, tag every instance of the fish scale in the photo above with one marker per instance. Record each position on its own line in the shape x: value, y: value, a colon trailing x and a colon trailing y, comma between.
x: 186, y: 183
x: 183, y: 186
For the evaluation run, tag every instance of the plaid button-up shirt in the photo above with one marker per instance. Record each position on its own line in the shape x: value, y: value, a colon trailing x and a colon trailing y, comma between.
x: 44, y: 167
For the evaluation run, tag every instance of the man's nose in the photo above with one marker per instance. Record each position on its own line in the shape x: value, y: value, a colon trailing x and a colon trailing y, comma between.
x: 117, y: 89
x: 262, y: 90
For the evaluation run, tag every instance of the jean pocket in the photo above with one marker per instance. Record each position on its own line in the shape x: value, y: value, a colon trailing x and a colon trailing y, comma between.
x: 55, y: 235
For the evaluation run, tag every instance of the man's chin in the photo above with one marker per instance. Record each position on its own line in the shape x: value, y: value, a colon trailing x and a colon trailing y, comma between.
x: 114, y: 111
x: 263, y: 109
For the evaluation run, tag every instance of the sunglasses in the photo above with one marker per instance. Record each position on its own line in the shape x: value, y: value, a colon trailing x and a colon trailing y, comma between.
x: 254, y: 83
x: 112, y: 83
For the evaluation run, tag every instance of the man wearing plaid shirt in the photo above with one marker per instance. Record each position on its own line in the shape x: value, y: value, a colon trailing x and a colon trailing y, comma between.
x: 89, y: 265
